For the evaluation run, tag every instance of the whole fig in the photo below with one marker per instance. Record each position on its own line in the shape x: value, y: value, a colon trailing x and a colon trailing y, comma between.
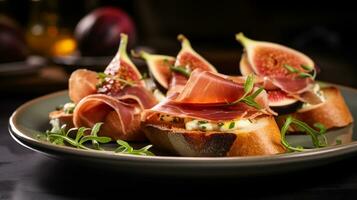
x: 98, y: 33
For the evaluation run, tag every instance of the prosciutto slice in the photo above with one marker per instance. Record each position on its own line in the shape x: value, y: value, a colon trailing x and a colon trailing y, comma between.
x: 120, y: 120
x: 139, y: 95
x: 205, y: 112
x: 292, y: 86
x: 177, y: 83
x: 117, y: 101
x: 207, y: 96
x: 204, y: 87
x: 81, y: 84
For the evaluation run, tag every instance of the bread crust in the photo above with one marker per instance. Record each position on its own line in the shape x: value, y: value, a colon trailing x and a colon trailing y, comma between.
x: 262, y: 140
x: 333, y: 113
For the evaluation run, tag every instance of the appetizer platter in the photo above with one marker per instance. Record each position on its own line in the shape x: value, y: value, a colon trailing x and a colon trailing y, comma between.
x: 186, y: 116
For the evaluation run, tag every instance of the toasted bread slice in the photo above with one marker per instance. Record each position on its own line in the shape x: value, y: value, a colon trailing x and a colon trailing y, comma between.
x: 261, y: 138
x: 333, y: 113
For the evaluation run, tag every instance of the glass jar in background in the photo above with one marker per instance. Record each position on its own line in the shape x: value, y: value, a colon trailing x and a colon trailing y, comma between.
x: 44, y: 34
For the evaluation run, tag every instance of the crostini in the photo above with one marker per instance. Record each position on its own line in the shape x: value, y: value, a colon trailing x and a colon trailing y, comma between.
x: 205, y: 119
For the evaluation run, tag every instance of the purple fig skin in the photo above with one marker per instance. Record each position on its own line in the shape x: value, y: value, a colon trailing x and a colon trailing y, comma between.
x: 98, y: 33
x: 12, y: 42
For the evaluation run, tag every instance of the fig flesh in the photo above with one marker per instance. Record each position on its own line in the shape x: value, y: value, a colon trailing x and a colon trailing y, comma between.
x: 159, y: 66
x: 269, y: 60
x: 281, y: 103
x: 121, y: 71
x: 284, y: 71
x: 279, y: 98
x: 189, y: 58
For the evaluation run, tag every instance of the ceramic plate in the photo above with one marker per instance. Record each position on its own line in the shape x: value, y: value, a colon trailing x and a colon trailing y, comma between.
x: 32, y: 117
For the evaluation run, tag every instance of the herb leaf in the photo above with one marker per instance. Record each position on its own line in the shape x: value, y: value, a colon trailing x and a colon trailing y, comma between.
x: 307, y: 68
x: 249, y: 99
x: 94, y: 132
x: 231, y: 125
x: 249, y: 84
x: 180, y: 70
x: 59, y: 136
x: 291, y: 68
x: 125, y: 148
x: 256, y: 93
x: 318, y: 137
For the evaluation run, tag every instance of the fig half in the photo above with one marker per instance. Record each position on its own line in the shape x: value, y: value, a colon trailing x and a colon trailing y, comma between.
x: 121, y: 65
x: 281, y: 69
x: 159, y: 66
x: 268, y: 59
x: 189, y: 58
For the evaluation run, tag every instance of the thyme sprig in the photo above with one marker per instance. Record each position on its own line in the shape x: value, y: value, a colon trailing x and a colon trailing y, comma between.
x: 310, y: 69
x: 77, y: 137
x: 246, y: 98
x: 181, y: 70
x: 318, y: 137
x: 125, y: 148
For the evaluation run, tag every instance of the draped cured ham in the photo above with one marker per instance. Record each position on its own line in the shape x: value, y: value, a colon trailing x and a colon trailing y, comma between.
x: 120, y: 120
x: 187, y: 59
x: 208, y: 96
x: 116, y: 97
x: 82, y: 83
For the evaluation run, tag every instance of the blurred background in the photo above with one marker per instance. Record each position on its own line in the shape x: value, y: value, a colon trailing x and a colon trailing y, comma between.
x: 43, y: 41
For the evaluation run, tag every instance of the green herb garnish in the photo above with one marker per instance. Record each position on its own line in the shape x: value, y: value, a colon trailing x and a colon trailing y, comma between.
x: 292, y: 69
x: 338, y: 141
x: 307, y: 68
x: 231, y: 125
x: 124, y: 147
x: 248, y: 88
x: 76, y: 137
x: 144, y: 76
x: 202, y: 122
x: 318, y: 137
x: 181, y: 70
x: 165, y: 60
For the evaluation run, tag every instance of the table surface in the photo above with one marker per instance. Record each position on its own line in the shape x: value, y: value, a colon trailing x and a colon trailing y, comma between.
x: 25, y: 174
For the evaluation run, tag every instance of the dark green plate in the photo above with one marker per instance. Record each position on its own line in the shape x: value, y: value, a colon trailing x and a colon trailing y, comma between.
x: 33, y: 117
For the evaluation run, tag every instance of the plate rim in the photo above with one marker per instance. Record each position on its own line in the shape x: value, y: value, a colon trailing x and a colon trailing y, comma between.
x: 316, y: 154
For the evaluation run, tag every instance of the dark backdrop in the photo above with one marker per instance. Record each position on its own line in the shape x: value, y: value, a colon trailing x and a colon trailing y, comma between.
x: 325, y: 31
